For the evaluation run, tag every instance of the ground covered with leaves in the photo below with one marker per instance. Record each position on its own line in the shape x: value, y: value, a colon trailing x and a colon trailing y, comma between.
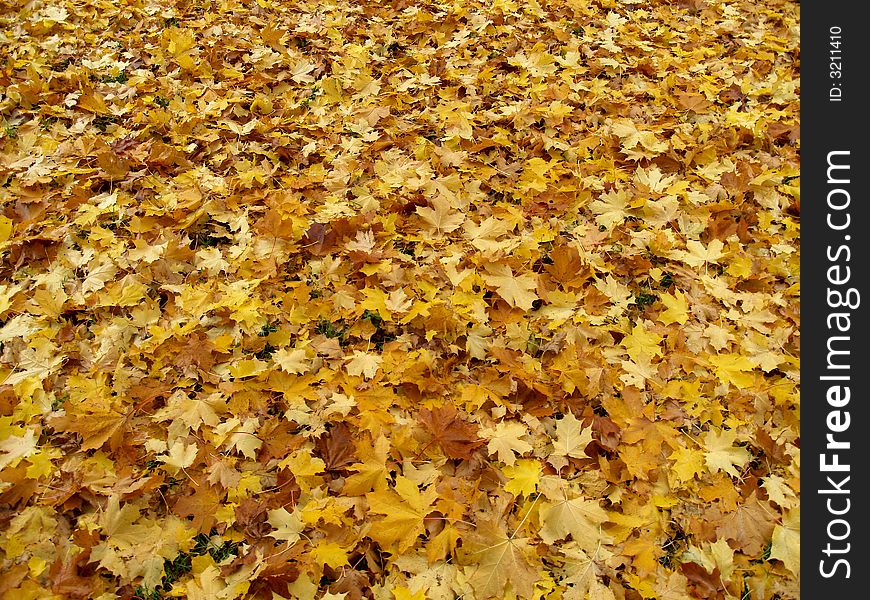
x: 399, y: 300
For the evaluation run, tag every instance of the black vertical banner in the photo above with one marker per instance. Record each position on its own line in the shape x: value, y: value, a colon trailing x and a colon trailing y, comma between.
x: 835, y: 251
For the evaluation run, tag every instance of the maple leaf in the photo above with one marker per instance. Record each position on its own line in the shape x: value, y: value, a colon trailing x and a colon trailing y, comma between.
x: 672, y: 587
x: 405, y: 508
x: 198, y: 351
x: 135, y: 545
x: 292, y: 361
x: 327, y: 260
x: 697, y: 255
x: 95, y: 428
x: 403, y: 593
x: 336, y: 447
x: 15, y: 448
x: 567, y: 267
x: 578, y: 517
x: 363, y: 363
x: 193, y: 412
x: 504, y: 440
x: 305, y: 469
x: 179, y: 455
x: 653, y: 179
x: 571, y: 440
x: 631, y: 136
x: 398, y: 301
x: 642, y: 342
x: 516, y: 290
x: 456, y: 437
x: 329, y: 554
x: 733, y: 369
x: 485, y: 235
x: 495, y: 560
x: 441, y: 217
x: 202, y: 505
x: 523, y: 477
x: 534, y: 175
x: 371, y: 474
x: 240, y: 436
x: 778, y: 491
x: 722, y: 455
x: 786, y: 541
x: 443, y: 544
x: 750, y: 526
x: 687, y: 464
x: 618, y: 293
x: 677, y: 308
x: 40, y: 359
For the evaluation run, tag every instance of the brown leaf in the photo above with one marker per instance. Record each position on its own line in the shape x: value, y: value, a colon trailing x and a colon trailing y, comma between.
x: 274, y: 226
x: 457, y: 437
x: 320, y: 239
x: 279, y: 567
x: 11, y: 578
x: 336, y: 447
x: 65, y: 578
x: 95, y: 428
x: 201, y: 505
x: 22, y: 488
x: 693, y: 102
x: 197, y: 351
x: 115, y: 167
x: 567, y: 268
x: 771, y: 448
x: 278, y: 441
x: 356, y: 584
x: 750, y: 526
x: 251, y: 516
x: 704, y: 584
x: 608, y: 432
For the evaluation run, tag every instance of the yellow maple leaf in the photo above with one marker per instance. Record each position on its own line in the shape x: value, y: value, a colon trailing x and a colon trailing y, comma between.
x: 687, y: 464
x: 363, y: 363
x: 631, y: 136
x: 677, y: 308
x: 241, y: 436
x: 696, y: 254
x: 722, y: 455
x: 193, y: 411
x: 248, y: 368
x: 642, y: 342
x: 442, y: 544
x: 179, y: 455
x: 5, y: 228
x: 405, y: 508
x: 441, y: 218
x: 15, y: 448
x: 292, y: 360
x: 571, y: 440
x: 516, y: 290
x: 371, y: 474
x: 733, y: 369
x: 495, y: 559
x: 329, y: 554
x: 40, y: 463
x: 786, y: 542
x: 403, y: 593
x: 534, y: 175
x: 39, y: 359
x: 579, y: 517
x: 504, y: 440
x: 524, y: 477
x: 611, y: 208
x: 305, y: 468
